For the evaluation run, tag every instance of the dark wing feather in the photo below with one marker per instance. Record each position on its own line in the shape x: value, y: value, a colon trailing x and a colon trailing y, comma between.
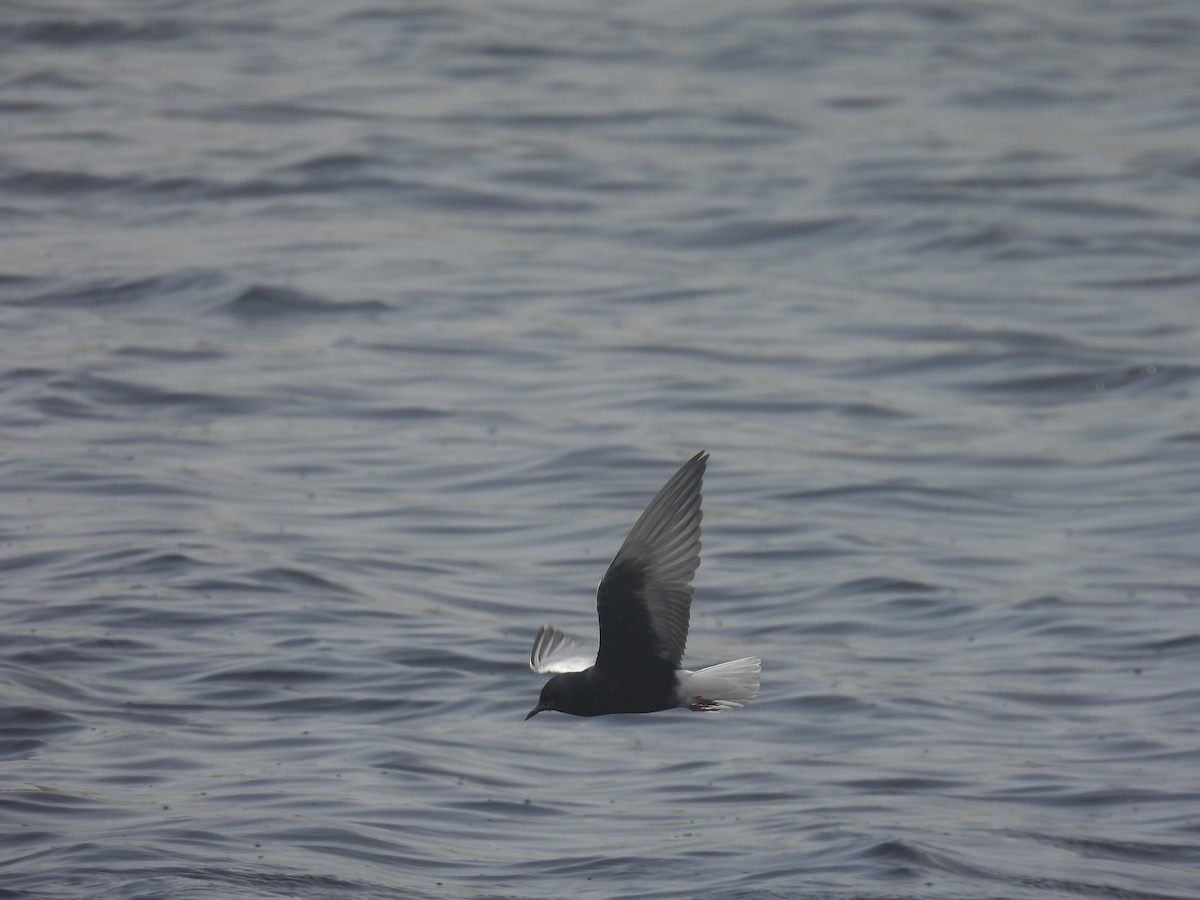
x: 645, y: 599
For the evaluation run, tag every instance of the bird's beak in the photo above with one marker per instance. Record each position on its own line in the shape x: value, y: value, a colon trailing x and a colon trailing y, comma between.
x: 533, y: 712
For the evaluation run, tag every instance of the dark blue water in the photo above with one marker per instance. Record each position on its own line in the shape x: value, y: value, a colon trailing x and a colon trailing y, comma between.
x: 340, y: 344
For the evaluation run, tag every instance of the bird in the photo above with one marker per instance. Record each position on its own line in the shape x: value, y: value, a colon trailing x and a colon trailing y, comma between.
x: 644, y: 607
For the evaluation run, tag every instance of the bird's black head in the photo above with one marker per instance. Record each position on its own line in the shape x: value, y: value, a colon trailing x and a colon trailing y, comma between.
x: 559, y: 693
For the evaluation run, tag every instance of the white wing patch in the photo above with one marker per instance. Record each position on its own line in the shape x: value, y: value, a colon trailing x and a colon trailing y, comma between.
x: 554, y: 652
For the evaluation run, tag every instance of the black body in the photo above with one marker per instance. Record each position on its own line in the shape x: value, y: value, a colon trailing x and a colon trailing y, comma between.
x: 644, y: 605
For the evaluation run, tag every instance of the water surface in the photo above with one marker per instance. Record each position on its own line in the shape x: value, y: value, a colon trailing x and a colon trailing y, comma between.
x: 341, y: 345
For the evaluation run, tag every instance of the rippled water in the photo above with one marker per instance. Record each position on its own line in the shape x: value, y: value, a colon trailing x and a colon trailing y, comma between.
x: 342, y: 343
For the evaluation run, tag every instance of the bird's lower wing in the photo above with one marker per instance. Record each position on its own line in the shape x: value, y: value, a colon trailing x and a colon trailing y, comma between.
x: 554, y: 652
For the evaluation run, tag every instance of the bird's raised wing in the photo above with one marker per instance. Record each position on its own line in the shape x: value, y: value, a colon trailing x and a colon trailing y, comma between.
x: 644, y: 602
x: 554, y: 652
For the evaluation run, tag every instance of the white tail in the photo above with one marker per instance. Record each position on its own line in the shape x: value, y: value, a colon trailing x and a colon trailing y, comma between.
x: 724, y: 686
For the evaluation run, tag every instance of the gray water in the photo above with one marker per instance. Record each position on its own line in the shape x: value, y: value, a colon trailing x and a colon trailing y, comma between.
x: 341, y: 343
